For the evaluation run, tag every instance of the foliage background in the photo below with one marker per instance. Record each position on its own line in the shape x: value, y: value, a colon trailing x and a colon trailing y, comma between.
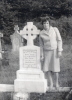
x: 18, y: 12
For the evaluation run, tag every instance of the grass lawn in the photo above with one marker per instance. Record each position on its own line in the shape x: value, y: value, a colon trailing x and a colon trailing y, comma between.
x: 10, y: 64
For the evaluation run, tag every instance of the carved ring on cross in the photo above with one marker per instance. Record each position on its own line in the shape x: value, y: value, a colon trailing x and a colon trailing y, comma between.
x: 29, y: 32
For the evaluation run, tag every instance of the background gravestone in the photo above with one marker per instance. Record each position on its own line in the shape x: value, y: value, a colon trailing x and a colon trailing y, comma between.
x: 1, y: 35
x: 16, y: 39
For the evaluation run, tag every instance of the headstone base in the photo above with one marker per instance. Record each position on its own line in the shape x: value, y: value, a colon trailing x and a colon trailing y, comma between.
x: 38, y: 86
x: 30, y: 74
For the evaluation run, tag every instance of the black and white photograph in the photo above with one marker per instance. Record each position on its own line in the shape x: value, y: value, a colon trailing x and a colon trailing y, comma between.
x: 35, y: 49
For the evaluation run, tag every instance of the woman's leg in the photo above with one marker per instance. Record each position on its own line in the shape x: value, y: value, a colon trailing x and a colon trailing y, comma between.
x: 50, y: 79
x: 57, y: 77
x: 46, y: 77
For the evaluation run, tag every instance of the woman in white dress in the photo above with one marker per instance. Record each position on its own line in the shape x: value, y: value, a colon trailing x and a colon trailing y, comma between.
x: 51, y: 50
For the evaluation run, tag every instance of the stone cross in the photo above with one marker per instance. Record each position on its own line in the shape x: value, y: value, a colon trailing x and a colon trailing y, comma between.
x: 29, y: 32
x: 16, y: 28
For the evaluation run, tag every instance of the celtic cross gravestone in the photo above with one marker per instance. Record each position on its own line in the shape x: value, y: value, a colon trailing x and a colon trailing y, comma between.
x: 30, y: 78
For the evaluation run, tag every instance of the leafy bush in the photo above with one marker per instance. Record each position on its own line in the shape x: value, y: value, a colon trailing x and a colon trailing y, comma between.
x: 18, y: 12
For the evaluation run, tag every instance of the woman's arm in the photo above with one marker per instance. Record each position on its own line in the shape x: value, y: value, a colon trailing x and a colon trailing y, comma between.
x: 59, y: 39
x: 41, y: 46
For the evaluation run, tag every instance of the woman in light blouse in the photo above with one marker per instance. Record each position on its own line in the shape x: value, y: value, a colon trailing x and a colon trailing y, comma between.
x: 51, y: 50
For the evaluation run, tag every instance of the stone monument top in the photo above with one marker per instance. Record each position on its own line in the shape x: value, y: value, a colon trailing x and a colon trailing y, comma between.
x: 16, y: 28
x: 1, y: 35
x: 29, y: 32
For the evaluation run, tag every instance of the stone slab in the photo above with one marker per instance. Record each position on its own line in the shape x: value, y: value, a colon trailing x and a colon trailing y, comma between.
x: 10, y: 88
x: 6, y: 88
x: 30, y: 74
x: 38, y: 86
x: 59, y: 89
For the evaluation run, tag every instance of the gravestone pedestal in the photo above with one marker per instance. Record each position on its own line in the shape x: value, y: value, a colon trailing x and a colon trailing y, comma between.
x: 30, y: 78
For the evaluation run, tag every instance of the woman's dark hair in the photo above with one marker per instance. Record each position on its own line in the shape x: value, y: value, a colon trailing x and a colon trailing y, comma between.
x: 44, y: 19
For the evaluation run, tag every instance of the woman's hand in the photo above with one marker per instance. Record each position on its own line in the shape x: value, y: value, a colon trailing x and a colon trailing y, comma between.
x: 59, y: 54
x: 42, y: 57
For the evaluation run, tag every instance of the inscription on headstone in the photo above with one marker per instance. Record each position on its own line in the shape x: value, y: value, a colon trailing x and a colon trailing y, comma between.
x: 29, y: 58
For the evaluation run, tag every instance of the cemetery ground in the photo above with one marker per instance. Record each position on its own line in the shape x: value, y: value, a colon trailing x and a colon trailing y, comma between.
x: 10, y: 64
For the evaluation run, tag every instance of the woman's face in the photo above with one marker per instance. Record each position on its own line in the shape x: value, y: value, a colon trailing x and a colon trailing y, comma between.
x: 46, y: 25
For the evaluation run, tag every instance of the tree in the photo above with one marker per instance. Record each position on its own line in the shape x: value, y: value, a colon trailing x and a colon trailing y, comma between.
x: 14, y: 12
